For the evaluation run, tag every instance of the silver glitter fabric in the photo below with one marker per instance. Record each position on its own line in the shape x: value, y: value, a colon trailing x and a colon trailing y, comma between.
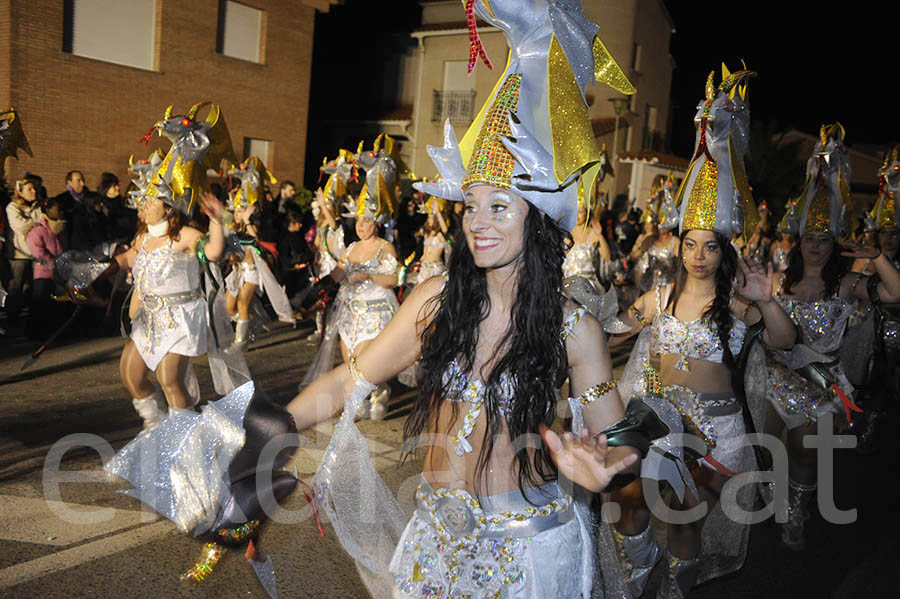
x: 822, y: 324
x: 78, y: 269
x: 257, y: 272
x: 589, y: 293
x: 180, y: 468
x: 366, y: 306
x: 656, y: 267
x: 426, y: 271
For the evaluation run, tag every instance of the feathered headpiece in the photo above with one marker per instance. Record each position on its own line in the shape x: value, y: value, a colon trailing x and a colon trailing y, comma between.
x: 197, y: 146
x: 533, y: 135
x: 715, y: 195
x: 885, y: 213
x: 253, y: 175
x: 12, y: 137
x: 824, y: 205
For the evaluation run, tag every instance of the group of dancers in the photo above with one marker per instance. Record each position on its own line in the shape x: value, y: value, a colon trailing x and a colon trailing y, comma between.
x: 495, y: 321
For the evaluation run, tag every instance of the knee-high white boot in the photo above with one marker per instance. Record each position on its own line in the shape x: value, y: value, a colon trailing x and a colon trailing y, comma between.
x: 152, y: 409
x: 241, y: 337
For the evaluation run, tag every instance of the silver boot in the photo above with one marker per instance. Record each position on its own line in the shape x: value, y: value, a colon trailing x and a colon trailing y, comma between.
x: 638, y: 555
x: 241, y: 337
x: 792, y: 531
x: 152, y: 409
x: 680, y: 577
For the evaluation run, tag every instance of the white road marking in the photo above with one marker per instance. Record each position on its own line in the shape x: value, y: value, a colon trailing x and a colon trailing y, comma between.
x: 31, y: 520
x: 75, y: 556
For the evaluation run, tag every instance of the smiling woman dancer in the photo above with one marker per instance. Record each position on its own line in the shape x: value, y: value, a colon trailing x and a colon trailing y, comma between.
x: 686, y: 355
x: 496, y: 339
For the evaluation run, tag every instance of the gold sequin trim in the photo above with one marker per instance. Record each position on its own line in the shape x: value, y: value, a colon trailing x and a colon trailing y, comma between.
x: 597, y: 391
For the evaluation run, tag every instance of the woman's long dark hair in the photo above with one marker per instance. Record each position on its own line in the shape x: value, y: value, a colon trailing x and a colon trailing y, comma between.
x: 832, y: 272
x: 534, y: 355
x: 719, y: 312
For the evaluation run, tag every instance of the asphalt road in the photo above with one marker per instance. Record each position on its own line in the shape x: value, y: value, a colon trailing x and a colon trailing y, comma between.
x: 64, y: 548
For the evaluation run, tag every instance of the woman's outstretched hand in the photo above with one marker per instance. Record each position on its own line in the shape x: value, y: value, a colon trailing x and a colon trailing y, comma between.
x: 583, y: 459
x: 211, y: 207
x: 854, y: 250
x: 756, y: 281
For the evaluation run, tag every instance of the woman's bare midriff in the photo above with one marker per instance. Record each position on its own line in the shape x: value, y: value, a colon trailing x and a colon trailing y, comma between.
x: 432, y: 254
x: 703, y: 376
x: 444, y: 469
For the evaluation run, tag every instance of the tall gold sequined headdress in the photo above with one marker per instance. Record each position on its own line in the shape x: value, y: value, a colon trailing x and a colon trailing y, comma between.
x: 824, y: 205
x: 533, y: 135
x: 715, y: 194
x: 885, y: 213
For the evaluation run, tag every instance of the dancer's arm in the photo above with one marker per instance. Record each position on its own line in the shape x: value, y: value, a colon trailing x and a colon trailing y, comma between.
x: 755, y: 285
x: 637, y: 316
x: 888, y: 288
x: 394, y: 349
x: 215, y: 247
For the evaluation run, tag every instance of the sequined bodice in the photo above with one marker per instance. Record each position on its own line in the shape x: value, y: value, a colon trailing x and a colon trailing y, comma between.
x: 579, y: 260
x: 666, y: 252
x: 462, y: 388
x: 165, y: 271
x: 822, y: 322
x: 435, y: 241
x: 697, y: 339
x: 779, y: 259
x: 376, y: 265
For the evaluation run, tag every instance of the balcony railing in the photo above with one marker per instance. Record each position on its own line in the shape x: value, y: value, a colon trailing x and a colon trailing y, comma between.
x: 458, y: 106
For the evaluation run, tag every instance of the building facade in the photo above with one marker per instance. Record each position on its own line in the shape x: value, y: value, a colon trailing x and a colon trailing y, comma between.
x: 90, y: 77
x: 636, y: 32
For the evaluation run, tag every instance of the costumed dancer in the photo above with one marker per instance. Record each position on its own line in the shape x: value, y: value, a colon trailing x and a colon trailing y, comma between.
x: 656, y: 248
x: 203, y: 470
x: 367, y: 272
x: 433, y: 263
x: 250, y: 275
x: 870, y: 345
x: 820, y: 296
x: 686, y: 358
x: 170, y: 313
x: 496, y: 339
x: 330, y: 244
x: 588, y: 251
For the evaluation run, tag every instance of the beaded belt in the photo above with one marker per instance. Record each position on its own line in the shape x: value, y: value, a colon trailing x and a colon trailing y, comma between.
x: 361, y: 306
x: 457, y: 516
x: 155, y: 302
x: 247, y: 266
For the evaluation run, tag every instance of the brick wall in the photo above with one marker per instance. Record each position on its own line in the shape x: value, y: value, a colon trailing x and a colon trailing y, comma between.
x: 80, y: 113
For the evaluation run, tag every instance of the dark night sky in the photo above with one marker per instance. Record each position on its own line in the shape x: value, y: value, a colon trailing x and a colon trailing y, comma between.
x: 817, y: 62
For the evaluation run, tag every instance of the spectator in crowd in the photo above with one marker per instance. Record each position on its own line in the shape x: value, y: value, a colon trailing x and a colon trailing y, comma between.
x: 88, y: 223
x: 286, y: 195
x: 74, y: 193
x: 22, y: 214
x: 294, y: 254
x: 122, y: 219
x: 45, y: 244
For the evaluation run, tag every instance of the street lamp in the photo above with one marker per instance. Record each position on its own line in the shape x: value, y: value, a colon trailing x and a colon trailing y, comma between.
x: 618, y: 108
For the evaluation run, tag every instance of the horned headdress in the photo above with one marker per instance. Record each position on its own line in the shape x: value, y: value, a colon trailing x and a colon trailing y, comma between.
x: 824, y: 206
x: 885, y: 213
x: 715, y: 194
x: 533, y: 135
x: 197, y: 146
x: 376, y: 200
x: 253, y: 176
